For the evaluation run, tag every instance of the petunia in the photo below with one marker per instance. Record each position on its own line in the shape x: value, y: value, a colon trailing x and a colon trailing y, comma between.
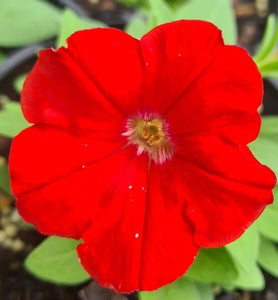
x: 139, y: 148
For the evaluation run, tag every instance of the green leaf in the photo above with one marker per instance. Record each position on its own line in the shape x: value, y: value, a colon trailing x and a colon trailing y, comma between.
x: 245, y: 249
x: 4, y: 177
x: 160, y: 12
x: 12, y: 120
x: 132, y: 2
x: 205, y: 290
x: 269, y: 69
x: 265, y: 147
x: 136, y: 27
x: 212, y: 265
x: 268, y: 257
x: 2, y: 57
x: 179, y: 290
x: 267, y: 223
x: 143, y: 3
x: 270, y: 74
x: 275, y: 194
x: 71, y: 23
x: 18, y: 83
x: 269, y: 125
x: 252, y: 279
x: 219, y: 12
x: 55, y: 260
x: 28, y: 22
x: 269, y: 39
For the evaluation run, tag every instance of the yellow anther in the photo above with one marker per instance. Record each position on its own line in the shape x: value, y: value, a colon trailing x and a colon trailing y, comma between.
x: 150, y: 132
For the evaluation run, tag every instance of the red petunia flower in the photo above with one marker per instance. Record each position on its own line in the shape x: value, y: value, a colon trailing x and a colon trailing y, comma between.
x: 139, y: 148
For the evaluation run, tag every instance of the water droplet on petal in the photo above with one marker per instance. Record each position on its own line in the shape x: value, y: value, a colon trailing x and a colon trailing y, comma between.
x: 179, y: 54
x: 83, y: 166
x: 130, y: 187
x: 136, y: 235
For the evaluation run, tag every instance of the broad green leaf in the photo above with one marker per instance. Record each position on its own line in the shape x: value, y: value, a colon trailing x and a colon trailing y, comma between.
x: 275, y: 194
x: 245, y: 249
x: 4, y: 177
x: 265, y: 147
x: 269, y: 125
x: 71, y: 23
x: 55, y: 260
x: 136, y: 27
x: 212, y: 265
x: 12, y: 120
x: 179, y: 290
x: 252, y: 280
x: 18, y: 83
x: 160, y: 12
x: 269, y: 39
x: 219, y: 12
x: 268, y: 257
x: 28, y: 21
x: 205, y: 290
x: 267, y: 223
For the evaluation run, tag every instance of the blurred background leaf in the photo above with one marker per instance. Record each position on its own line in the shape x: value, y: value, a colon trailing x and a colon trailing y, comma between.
x: 18, y: 83
x: 179, y: 290
x: 2, y: 57
x: 12, y: 120
x: 251, y: 280
x: 268, y: 256
x: 55, y: 260
x: 32, y: 22
x: 267, y: 223
x: 245, y: 249
x: 219, y: 12
x: 265, y: 147
x: 213, y: 265
x: 137, y: 26
x: 71, y: 23
x: 269, y: 39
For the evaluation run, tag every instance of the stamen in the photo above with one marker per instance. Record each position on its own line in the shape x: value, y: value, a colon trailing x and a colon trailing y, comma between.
x: 150, y: 136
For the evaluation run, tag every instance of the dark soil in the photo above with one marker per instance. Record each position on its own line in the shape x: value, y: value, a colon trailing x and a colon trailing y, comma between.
x: 15, y: 282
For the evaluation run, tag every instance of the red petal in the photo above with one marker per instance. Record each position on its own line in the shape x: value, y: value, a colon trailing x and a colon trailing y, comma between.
x: 168, y: 248
x: 224, y: 187
x: 222, y: 159
x: 59, y: 92
x: 223, y: 100
x: 174, y: 55
x: 56, y: 176
x: 151, y: 245
x: 112, y: 60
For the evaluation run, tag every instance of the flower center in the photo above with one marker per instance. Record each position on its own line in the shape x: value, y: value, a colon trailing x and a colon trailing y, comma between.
x: 150, y: 136
x: 150, y: 132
